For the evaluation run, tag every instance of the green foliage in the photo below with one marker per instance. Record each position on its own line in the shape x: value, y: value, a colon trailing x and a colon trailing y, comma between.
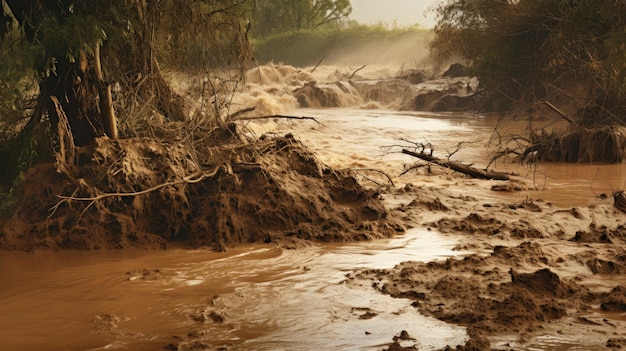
x: 17, y: 80
x: 281, y: 16
x: 521, y: 48
x: 306, y: 48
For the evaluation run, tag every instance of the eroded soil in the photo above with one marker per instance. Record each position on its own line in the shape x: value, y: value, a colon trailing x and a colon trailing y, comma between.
x: 149, y: 193
x: 536, y: 271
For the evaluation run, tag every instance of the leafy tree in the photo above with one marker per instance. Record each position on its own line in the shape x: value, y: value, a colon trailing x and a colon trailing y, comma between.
x: 58, y: 59
x: 75, y: 41
x: 278, y: 16
x: 521, y: 49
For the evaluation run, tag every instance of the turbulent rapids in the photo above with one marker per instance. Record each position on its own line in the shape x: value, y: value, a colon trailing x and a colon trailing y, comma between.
x: 276, y: 88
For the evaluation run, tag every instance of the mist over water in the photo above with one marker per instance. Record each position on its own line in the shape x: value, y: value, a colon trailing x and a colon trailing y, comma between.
x: 408, y: 51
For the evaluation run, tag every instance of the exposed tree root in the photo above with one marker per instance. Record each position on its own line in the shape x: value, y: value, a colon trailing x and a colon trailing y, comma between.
x: 580, y: 145
x: 147, y: 192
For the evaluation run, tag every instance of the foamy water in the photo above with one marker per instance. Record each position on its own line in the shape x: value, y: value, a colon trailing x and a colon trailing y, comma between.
x: 362, y: 138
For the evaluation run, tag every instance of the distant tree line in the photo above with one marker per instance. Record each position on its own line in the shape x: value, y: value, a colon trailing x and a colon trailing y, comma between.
x: 280, y: 16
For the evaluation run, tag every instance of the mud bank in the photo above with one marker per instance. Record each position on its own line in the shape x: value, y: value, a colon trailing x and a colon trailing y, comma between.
x: 541, y: 277
x: 143, y: 192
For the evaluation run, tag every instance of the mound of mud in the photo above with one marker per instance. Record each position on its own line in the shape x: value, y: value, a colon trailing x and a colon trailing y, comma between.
x: 476, y: 292
x: 150, y: 192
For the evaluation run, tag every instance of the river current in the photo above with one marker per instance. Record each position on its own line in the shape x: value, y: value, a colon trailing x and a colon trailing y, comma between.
x: 262, y: 297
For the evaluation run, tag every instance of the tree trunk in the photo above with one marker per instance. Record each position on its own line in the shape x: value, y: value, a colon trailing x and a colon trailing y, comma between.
x: 82, y: 96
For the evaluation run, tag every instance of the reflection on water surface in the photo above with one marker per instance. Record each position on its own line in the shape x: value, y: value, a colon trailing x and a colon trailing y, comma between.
x: 267, y: 298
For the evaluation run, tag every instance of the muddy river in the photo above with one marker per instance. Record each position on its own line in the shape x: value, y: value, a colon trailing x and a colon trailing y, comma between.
x: 262, y: 297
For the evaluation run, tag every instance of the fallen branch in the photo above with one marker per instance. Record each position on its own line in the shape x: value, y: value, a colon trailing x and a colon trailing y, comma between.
x: 276, y: 116
x: 561, y: 113
x: 458, y: 167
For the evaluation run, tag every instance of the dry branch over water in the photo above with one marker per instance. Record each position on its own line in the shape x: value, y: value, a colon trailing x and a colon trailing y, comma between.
x: 458, y: 167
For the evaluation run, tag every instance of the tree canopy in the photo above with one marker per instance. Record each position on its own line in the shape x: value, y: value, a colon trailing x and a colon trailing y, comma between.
x: 77, y: 44
x: 68, y: 54
x: 522, y: 49
x: 277, y: 16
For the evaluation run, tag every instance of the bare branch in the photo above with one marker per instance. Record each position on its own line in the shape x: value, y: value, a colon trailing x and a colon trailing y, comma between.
x: 376, y: 171
x: 191, y: 179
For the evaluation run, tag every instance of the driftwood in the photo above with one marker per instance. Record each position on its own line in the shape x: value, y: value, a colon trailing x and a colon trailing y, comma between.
x: 458, y: 167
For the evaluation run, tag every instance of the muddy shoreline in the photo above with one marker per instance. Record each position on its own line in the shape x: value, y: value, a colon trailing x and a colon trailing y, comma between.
x: 535, y: 271
x: 533, y: 274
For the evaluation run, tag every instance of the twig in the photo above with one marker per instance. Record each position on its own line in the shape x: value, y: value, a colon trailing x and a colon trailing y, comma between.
x: 376, y: 171
x: 235, y: 115
x: 320, y: 62
x: 353, y: 73
x: 561, y: 113
x: 277, y: 116
x: 186, y: 180
x: 411, y: 168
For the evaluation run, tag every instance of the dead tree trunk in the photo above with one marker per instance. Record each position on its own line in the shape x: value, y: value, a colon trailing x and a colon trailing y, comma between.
x: 458, y: 167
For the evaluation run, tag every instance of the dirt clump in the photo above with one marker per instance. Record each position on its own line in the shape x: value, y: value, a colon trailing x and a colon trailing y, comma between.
x: 528, y: 272
x: 150, y: 192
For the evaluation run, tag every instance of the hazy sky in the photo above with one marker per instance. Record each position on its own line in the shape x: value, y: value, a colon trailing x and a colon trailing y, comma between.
x: 405, y: 12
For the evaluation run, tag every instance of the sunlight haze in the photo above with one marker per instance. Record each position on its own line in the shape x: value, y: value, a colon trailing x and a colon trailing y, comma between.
x: 401, y: 12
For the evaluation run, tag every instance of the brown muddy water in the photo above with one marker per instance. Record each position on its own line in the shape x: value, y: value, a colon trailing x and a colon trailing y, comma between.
x: 266, y: 298
x: 358, y: 138
x: 250, y: 298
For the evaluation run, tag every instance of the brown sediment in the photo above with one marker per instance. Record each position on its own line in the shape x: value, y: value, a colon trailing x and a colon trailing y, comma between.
x: 144, y: 192
x: 530, y: 274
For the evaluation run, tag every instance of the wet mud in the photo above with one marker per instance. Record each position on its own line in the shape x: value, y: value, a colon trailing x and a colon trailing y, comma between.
x: 533, y: 274
x: 150, y: 193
